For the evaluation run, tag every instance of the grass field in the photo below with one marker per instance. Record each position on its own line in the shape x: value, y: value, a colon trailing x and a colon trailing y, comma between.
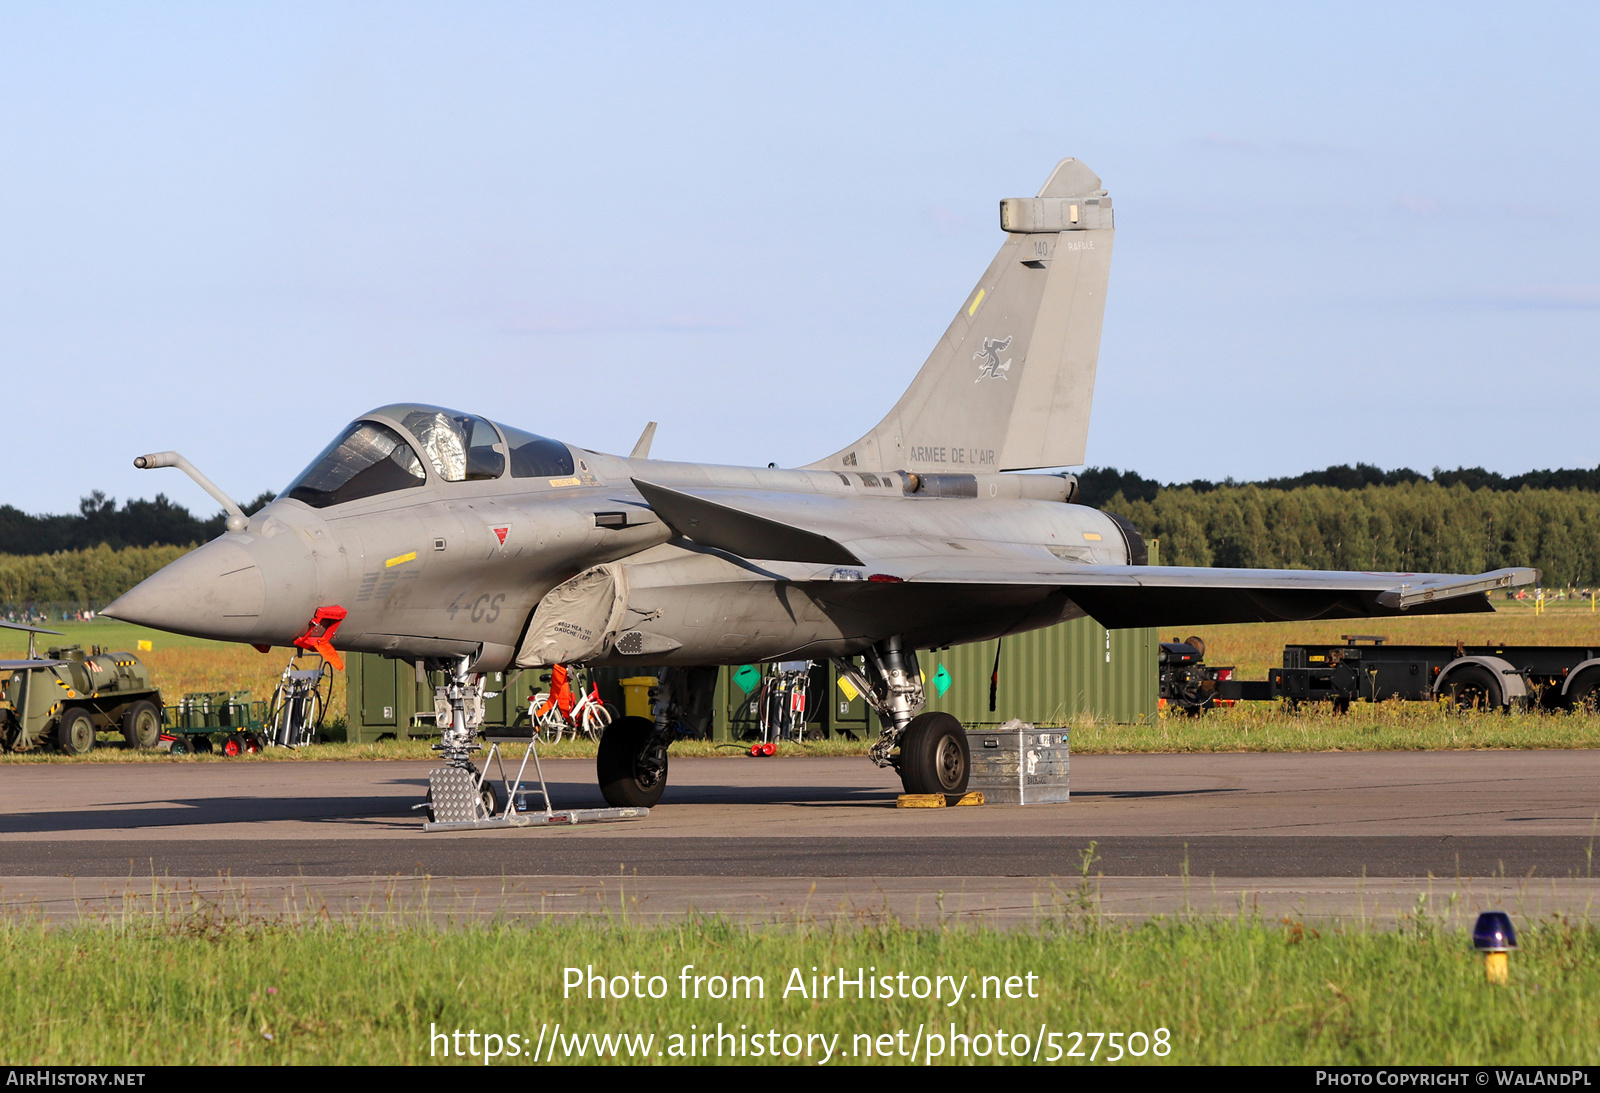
x: 195, y: 987
x: 188, y: 664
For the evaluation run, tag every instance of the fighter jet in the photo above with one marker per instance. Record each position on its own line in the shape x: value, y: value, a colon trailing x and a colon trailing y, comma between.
x: 456, y: 542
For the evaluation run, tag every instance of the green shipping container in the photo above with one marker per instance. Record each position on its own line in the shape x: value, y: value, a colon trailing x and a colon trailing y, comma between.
x: 1050, y: 676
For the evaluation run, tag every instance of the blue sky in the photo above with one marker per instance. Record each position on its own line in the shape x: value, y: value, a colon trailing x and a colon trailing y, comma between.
x: 1356, y: 233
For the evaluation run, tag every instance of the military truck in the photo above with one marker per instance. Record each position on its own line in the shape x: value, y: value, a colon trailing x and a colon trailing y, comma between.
x: 69, y: 695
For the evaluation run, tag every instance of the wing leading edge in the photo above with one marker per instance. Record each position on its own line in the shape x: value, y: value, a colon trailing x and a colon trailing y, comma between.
x: 1125, y: 596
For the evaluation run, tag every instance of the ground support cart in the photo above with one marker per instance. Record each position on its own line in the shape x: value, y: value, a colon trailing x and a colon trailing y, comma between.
x: 225, y: 721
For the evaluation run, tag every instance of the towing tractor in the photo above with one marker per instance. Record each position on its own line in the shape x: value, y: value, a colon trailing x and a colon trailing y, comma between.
x: 68, y: 695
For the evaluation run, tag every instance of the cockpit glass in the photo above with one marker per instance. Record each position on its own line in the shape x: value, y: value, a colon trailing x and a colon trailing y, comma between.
x: 536, y: 456
x: 368, y: 459
x: 462, y: 448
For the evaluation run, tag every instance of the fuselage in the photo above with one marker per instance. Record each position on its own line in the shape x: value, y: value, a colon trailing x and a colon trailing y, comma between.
x: 443, y: 568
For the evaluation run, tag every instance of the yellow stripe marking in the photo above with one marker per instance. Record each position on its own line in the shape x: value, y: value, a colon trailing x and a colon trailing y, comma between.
x: 976, y: 300
x: 1094, y: 535
x: 401, y: 559
x: 566, y: 481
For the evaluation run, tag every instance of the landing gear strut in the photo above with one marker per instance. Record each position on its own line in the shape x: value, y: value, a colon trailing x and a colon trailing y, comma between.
x: 928, y: 749
x: 456, y: 791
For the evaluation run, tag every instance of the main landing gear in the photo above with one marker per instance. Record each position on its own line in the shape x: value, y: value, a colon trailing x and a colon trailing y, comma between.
x: 632, y: 763
x: 928, y: 749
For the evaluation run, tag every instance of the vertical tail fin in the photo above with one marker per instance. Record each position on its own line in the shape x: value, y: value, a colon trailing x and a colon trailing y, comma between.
x: 1009, y: 385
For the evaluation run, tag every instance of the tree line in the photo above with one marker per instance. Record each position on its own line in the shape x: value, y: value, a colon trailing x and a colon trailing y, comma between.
x: 1097, y: 485
x: 99, y: 519
x: 76, y: 579
x: 1353, y: 518
x: 1416, y: 526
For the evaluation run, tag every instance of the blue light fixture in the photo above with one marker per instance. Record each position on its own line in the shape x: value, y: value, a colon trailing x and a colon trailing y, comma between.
x: 1493, y: 933
x: 1493, y: 936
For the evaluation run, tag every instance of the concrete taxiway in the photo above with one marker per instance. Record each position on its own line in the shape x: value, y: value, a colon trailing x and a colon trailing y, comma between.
x: 1360, y: 835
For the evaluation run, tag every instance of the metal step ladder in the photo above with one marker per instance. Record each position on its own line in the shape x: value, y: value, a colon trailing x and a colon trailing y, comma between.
x: 456, y: 800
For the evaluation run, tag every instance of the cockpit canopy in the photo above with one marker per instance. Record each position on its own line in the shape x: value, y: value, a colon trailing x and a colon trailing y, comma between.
x: 372, y: 457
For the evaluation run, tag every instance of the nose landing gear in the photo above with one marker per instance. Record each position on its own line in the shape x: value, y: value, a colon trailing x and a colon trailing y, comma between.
x: 456, y: 791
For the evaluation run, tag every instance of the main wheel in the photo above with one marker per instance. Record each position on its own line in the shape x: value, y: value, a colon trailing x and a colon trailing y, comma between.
x: 1474, y: 688
x: 633, y: 773
x: 141, y: 725
x: 75, y: 732
x: 1584, y: 697
x: 933, y: 755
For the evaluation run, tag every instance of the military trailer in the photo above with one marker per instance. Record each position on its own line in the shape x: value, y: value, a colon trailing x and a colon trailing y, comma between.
x: 1367, y: 668
x: 70, y: 694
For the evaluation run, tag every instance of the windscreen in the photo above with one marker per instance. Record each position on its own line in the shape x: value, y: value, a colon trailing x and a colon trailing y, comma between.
x: 536, y: 456
x: 367, y: 460
x: 462, y: 448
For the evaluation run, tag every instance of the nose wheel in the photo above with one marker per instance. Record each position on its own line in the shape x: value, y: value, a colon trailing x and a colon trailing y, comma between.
x: 934, y: 757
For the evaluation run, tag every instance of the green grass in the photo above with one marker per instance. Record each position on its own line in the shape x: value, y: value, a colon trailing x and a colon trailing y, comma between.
x: 197, y: 987
x: 1384, y: 726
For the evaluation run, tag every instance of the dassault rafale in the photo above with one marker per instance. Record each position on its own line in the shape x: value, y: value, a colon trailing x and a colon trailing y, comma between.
x: 469, y: 546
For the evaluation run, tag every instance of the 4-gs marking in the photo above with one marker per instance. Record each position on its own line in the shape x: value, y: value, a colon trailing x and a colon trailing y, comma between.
x: 485, y: 608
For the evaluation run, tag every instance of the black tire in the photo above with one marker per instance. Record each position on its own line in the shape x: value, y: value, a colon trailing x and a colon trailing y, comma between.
x: 490, y: 797
x: 625, y: 780
x: 934, y: 757
x: 1584, y: 694
x: 1474, y: 687
x: 75, y: 731
x: 201, y: 744
x: 180, y: 745
x: 141, y: 725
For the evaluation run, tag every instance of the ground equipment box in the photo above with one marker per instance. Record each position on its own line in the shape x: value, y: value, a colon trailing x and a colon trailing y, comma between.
x: 1020, y: 764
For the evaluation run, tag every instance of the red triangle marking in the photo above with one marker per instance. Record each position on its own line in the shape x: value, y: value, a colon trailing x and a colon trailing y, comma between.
x: 500, y: 533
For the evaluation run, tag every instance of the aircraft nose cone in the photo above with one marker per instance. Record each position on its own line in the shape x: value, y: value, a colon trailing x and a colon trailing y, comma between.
x: 216, y: 591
